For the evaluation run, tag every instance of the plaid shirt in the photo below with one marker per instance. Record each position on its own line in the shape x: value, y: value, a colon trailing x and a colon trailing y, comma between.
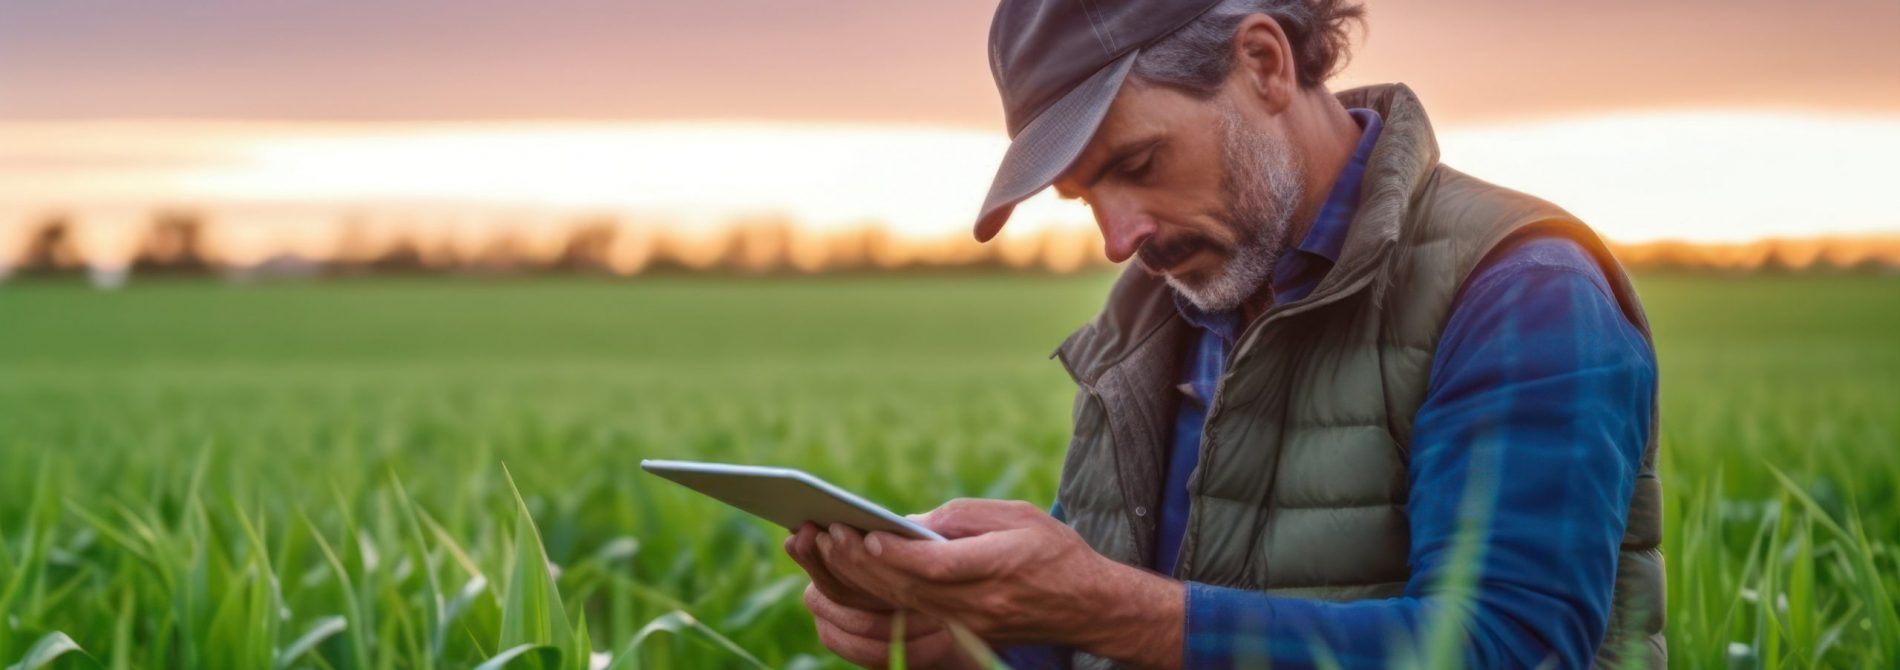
x: 1539, y: 369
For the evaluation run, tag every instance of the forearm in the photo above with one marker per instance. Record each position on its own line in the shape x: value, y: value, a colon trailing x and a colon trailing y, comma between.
x: 1149, y: 621
x: 1139, y: 621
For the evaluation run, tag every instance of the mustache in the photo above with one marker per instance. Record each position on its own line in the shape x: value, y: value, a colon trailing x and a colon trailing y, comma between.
x: 1158, y: 253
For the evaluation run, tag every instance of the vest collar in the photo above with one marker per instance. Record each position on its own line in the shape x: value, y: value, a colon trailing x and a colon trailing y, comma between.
x: 1140, y: 307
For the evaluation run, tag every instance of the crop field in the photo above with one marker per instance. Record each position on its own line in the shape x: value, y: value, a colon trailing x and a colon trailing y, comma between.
x: 440, y: 473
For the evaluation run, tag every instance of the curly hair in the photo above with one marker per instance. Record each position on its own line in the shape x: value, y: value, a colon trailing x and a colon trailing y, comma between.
x: 1199, y: 56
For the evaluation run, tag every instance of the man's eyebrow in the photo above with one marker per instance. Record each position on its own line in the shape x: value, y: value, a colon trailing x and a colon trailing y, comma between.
x: 1116, y: 156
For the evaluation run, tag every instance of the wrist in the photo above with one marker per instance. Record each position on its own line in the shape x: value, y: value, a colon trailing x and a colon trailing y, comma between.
x: 1137, y: 618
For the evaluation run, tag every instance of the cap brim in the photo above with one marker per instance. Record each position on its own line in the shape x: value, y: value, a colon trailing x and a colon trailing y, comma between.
x: 1045, y: 148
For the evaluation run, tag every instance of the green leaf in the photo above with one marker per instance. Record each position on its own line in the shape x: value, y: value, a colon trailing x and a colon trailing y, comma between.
x: 35, y: 543
x: 434, y: 605
x: 531, y: 608
x: 324, y: 629
x: 359, y: 642
x: 122, y: 633
x: 680, y: 624
x: 899, y: 659
x: 973, y: 646
x: 463, y: 598
x: 762, y: 599
x: 582, y: 652
x: 526, y: 656
x: 1859, y: 553
x: 49, y: 648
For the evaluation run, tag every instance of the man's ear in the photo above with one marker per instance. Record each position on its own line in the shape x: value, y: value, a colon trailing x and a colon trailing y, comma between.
x: 1263, y: 60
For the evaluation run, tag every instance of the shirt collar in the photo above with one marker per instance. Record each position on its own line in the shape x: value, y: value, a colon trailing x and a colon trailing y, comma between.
x: 1328, y: 235
x: 1323, y: 241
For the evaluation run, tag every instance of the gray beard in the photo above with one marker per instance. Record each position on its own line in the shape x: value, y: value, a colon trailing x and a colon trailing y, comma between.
x: 1260, y: 184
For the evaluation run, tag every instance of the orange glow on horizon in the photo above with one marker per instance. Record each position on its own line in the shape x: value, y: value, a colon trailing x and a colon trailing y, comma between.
x: 686, y: 191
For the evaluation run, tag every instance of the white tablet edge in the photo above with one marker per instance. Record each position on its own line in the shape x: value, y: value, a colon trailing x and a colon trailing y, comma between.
x: 828, y: 488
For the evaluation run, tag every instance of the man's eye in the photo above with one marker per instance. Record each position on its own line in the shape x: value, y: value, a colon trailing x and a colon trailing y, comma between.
x: 1139, y: 169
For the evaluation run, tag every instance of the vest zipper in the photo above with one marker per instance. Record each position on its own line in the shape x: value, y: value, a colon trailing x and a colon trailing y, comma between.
x: 1134, y: 523
x: 1217, y: 403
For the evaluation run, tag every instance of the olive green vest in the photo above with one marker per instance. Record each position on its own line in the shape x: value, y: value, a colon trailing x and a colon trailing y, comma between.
x: 1301, y: 486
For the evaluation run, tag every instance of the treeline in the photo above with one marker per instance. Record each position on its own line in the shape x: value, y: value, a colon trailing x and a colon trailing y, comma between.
x: 178, y: 243
x: 182, y: 244
x: 1878, y: 255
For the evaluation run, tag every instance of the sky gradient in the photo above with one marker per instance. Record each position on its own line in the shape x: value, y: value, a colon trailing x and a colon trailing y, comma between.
x: 1697, y: 120
x: 864, y: 60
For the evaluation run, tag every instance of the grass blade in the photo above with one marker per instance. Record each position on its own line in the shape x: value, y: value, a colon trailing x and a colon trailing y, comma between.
x: 531, y: 609
x: 324, y: 629
x: 49, y: 648
x: 680, y: 624
x: 526, y: 656
x: 899, y: 659
x: 761, y: 600
x: 358, y: 639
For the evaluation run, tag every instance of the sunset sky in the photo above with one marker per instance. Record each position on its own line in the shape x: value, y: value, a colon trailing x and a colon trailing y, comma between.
x: 1698, y: 120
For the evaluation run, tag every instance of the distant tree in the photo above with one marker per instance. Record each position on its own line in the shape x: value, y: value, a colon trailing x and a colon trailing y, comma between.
x: 674, y: 255
x: 1005, y: 255
x: 1873, y: 266
x: 404, y: 257
x: 1780, y: 261
x: 50, y: 251
x: 1668, y: 256
x: 173, y: 246
x: 758, y: 246
x: 847, y: 251
x: 503, y: 254
x: 664, y: 259
x: 589, y: 247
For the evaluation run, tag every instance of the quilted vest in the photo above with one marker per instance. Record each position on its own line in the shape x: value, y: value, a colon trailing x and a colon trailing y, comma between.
x: 1301, y: 486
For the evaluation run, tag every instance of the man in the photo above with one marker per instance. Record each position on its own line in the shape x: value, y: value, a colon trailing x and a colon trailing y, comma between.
x: 1349, y: 406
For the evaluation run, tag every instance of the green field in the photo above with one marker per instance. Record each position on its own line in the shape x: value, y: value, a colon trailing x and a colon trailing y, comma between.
x: 312, y: 475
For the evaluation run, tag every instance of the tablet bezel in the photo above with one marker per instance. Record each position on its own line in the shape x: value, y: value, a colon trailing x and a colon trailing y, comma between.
x: 662, y: 467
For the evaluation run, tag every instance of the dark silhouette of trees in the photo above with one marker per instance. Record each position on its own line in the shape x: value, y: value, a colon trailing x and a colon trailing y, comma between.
x: 404, y: 257
x: 589, y: 247
x: 173, y: 246
x: 178, y: 242
x: 50, y: 250
x: 761, y: 246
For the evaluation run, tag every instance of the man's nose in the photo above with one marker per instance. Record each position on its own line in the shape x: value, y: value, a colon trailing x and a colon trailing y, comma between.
x: 1123, y: 232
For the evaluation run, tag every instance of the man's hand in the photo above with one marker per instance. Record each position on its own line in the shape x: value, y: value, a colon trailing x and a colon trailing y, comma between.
x: 802, y: 546
x: 864, y: 638
x: 1011, y: 573
x: 857, y: 626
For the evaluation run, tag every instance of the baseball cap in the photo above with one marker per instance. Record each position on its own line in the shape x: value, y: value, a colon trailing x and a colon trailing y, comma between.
x: 1058, y: 65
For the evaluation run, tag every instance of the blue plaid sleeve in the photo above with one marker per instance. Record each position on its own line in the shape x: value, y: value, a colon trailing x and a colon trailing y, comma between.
x: 1532, y: 431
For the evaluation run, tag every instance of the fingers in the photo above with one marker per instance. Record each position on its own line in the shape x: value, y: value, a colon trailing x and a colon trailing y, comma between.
x: 966, y: 517
x: 864, y: 637
x: 804, y: 550
x: 862, y: 651
x: 924, y: 651
x: 843, y: 549
x: 960, y: 560
x: 860, y: 623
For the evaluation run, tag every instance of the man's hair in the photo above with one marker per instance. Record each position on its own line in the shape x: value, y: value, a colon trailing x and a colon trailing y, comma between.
x: 1198, y: 57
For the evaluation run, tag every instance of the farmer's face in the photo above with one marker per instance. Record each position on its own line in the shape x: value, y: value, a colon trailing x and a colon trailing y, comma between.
x: 1198, y: 190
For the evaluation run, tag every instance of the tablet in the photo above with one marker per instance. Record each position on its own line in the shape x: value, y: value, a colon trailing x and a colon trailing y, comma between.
x: 785, y: 496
